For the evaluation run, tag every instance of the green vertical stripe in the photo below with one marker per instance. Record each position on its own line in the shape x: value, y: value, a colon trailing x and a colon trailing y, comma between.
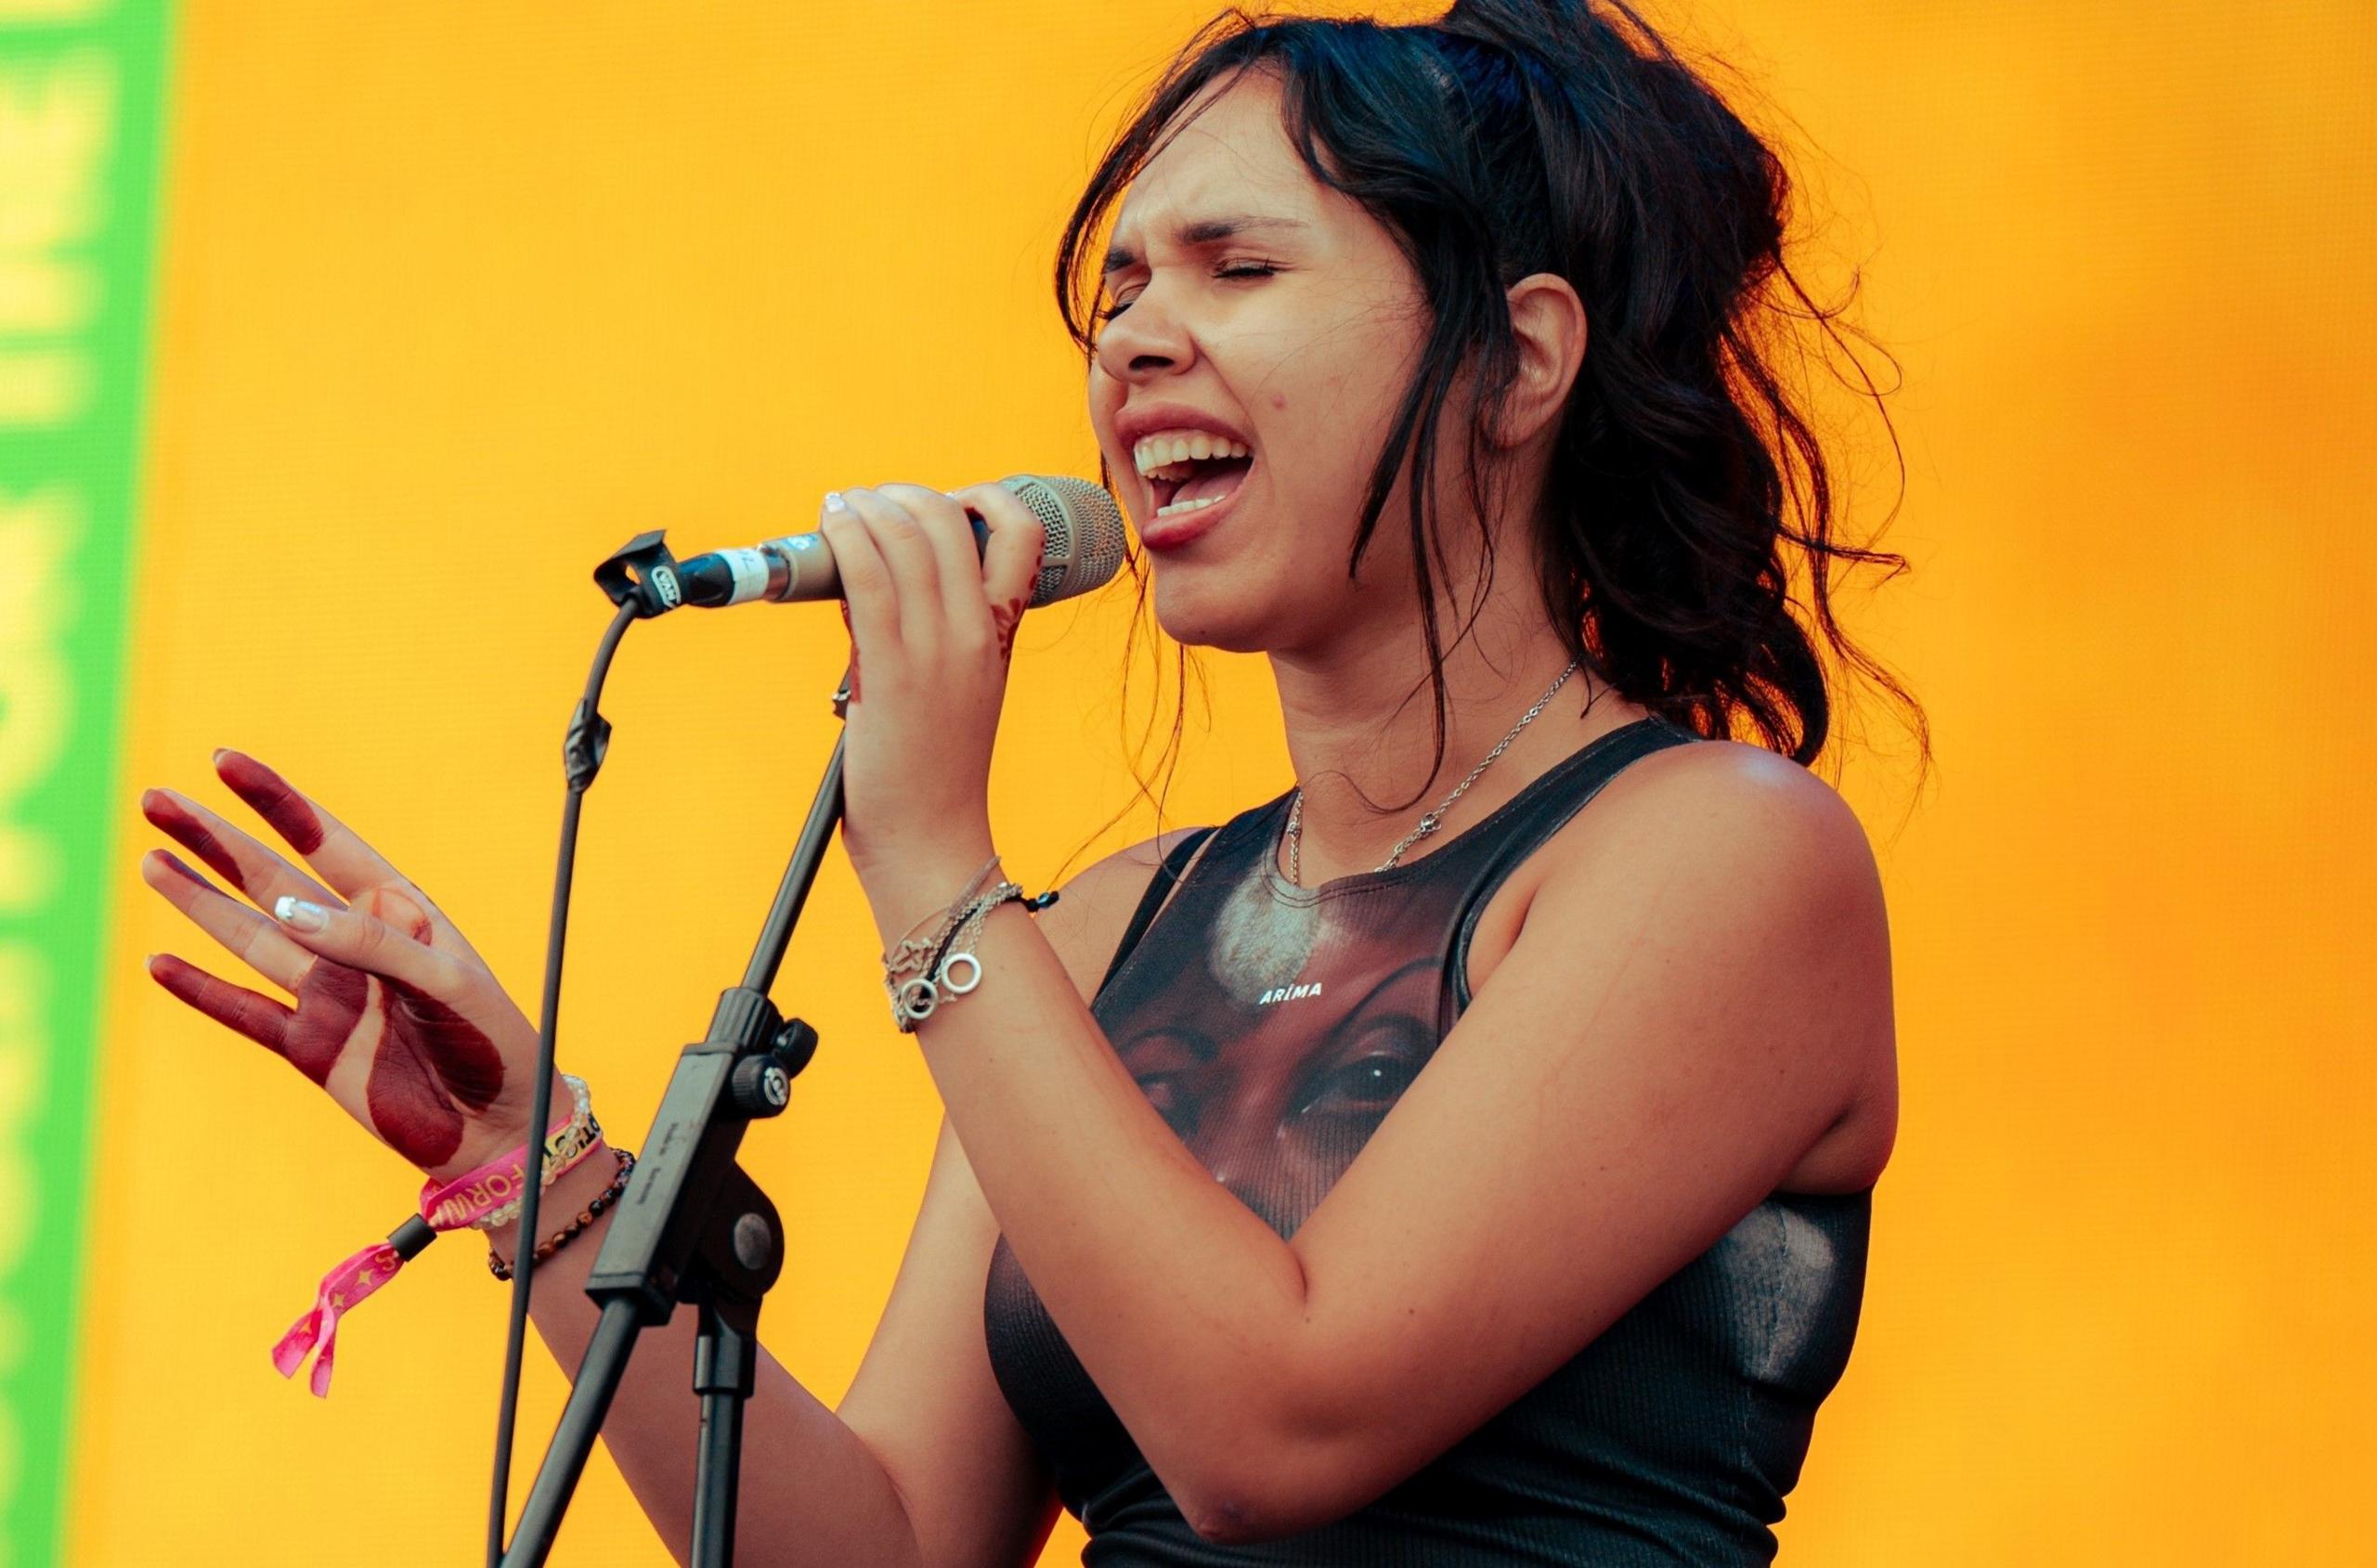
x: 81, y: 98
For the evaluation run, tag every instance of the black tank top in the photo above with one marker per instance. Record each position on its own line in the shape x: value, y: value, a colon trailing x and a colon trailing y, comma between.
x: 1275, y: 1026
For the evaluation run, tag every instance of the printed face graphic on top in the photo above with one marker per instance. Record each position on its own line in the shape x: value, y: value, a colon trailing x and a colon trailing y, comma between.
x: 1277, y: 1039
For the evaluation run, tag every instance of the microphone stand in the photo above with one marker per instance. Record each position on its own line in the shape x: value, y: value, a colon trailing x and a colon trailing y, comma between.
x: 692, y: 1226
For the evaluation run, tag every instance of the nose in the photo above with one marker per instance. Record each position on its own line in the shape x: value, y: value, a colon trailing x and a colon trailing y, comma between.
x: 1145, y: 341
x: 1238, y: 1140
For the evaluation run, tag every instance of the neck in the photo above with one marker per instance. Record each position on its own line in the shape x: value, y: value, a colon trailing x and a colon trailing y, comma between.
x: 1359, y: 722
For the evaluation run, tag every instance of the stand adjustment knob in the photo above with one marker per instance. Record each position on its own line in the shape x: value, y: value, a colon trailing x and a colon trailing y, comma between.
x: 759, y: 1086
x: 795, y: 1044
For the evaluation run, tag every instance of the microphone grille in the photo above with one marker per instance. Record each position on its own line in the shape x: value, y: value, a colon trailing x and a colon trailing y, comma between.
x: 1083, y: 529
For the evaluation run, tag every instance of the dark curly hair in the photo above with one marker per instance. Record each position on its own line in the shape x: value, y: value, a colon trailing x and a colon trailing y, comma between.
x: 1508, y: 138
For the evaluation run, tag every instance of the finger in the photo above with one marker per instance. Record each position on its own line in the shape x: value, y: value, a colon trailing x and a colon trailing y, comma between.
x: 907, y: 556
x: 360, y: 942
x: 850, y: 688
x: 957, y: 560
x: 244, y: 933
x: 330, y: 846
x: 259, y: 1017
x: 1011, y: 559
x: 868, y: 590
x: 239, y: 860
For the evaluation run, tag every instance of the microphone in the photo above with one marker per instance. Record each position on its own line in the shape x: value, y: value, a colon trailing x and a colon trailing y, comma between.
x: 1082, y: 548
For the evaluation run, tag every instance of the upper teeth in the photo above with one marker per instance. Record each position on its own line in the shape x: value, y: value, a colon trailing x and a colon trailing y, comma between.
x: 1166, y: 447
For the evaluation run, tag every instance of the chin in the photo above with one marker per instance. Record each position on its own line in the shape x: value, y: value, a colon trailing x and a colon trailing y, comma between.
x: 1205, y: 609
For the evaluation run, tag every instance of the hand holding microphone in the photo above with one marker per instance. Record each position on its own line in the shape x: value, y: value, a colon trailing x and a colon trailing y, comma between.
x: 933, y: 586
x: 1083, y: 549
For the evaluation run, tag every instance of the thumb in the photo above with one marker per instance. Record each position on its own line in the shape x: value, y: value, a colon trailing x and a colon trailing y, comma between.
x: 365, y: 942
x: 394, y: 908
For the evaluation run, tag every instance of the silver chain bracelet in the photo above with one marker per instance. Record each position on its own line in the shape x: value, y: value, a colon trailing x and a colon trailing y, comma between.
x: 916, y: 989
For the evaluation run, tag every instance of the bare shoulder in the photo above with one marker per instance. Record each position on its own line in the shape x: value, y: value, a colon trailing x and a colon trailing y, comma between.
x: 1759, y: 804
x: 1743, y: 842
x: 1085, y: 923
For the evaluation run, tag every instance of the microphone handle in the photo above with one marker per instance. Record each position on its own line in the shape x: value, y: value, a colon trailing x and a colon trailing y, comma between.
x: 795, y: 568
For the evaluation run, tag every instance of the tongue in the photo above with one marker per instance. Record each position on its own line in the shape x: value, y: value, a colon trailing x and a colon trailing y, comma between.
x: 1215, y: 478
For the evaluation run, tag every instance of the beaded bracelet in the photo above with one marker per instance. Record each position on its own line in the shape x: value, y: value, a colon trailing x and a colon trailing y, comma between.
x: 560, y: 1239
x: 491, y: 1188
x: 564, y: 1150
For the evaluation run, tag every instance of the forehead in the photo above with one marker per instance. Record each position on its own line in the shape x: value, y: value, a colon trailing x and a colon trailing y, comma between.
x: 1231, y: 154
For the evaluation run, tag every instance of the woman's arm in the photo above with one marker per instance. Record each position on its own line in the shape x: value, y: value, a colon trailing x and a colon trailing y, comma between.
x: 922, y: 1462
x: 1684, y: 1014
x: 922, y: 1465
x: 811, y: 1492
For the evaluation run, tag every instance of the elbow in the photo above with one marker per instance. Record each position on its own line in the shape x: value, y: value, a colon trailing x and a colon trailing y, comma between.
x: 1227, y: 1521
x: 1262, y: 1510
x: 1265, y: 1491
x: 1228, y: 1499
x: 1245, y: 1515
x: 1293, y: 1458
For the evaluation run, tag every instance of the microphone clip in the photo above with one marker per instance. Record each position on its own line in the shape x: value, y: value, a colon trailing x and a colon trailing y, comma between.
x: 643, y: 571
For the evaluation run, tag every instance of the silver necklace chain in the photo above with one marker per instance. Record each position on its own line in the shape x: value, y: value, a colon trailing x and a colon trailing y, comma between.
x: 1435, y: 819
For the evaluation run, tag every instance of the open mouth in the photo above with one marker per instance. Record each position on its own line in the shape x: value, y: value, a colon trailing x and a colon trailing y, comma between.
x: 1197, y: 484
x: 1192, y: 484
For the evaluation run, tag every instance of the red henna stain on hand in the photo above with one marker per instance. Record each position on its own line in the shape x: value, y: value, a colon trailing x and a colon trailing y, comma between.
x: 428, y: 1057
x: 180, y: 868
x: 309, y: 1037
x: 851, y: 676
x: 330, y: 1004
x: 457, y: 1051
x: 259, y: 1017
x: 166, y: 813
x: 1006, y: 617
x: 269, y: 795
x: 408, y: 1106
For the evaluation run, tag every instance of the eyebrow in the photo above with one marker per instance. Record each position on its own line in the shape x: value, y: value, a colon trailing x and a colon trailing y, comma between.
x: 1206, y: 231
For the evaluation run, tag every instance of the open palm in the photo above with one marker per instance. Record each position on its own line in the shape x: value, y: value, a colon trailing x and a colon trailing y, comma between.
x: 393, y: 1012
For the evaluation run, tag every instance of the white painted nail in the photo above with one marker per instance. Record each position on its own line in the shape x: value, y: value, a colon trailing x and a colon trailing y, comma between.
x: 300, y: 915
x: 834, y: 502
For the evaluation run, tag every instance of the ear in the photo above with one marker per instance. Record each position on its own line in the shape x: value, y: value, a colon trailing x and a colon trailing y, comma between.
x: 1548, y: 321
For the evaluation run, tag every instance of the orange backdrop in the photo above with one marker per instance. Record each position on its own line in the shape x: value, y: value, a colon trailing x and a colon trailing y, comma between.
x: 453, y: 298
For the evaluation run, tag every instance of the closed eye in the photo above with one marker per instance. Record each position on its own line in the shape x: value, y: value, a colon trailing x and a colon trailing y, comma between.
x: 1242, y: 269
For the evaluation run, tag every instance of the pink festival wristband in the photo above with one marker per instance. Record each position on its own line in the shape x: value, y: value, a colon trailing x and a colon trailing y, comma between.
x: 491, y: 1191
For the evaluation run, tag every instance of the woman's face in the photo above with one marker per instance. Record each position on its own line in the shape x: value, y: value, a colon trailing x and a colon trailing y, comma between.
x: 1263, y: 306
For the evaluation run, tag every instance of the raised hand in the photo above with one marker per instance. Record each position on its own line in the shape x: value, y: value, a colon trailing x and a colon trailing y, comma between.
x: 933, y: 625
x: 394, y: 1013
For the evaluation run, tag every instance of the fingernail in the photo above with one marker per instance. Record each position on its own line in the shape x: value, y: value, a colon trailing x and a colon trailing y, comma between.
x: 297, y: 912
x: 220, y: 753
x: 834, y: 502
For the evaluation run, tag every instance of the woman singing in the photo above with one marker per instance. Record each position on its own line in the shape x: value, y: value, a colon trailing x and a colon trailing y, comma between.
x: 1465, y: 1156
